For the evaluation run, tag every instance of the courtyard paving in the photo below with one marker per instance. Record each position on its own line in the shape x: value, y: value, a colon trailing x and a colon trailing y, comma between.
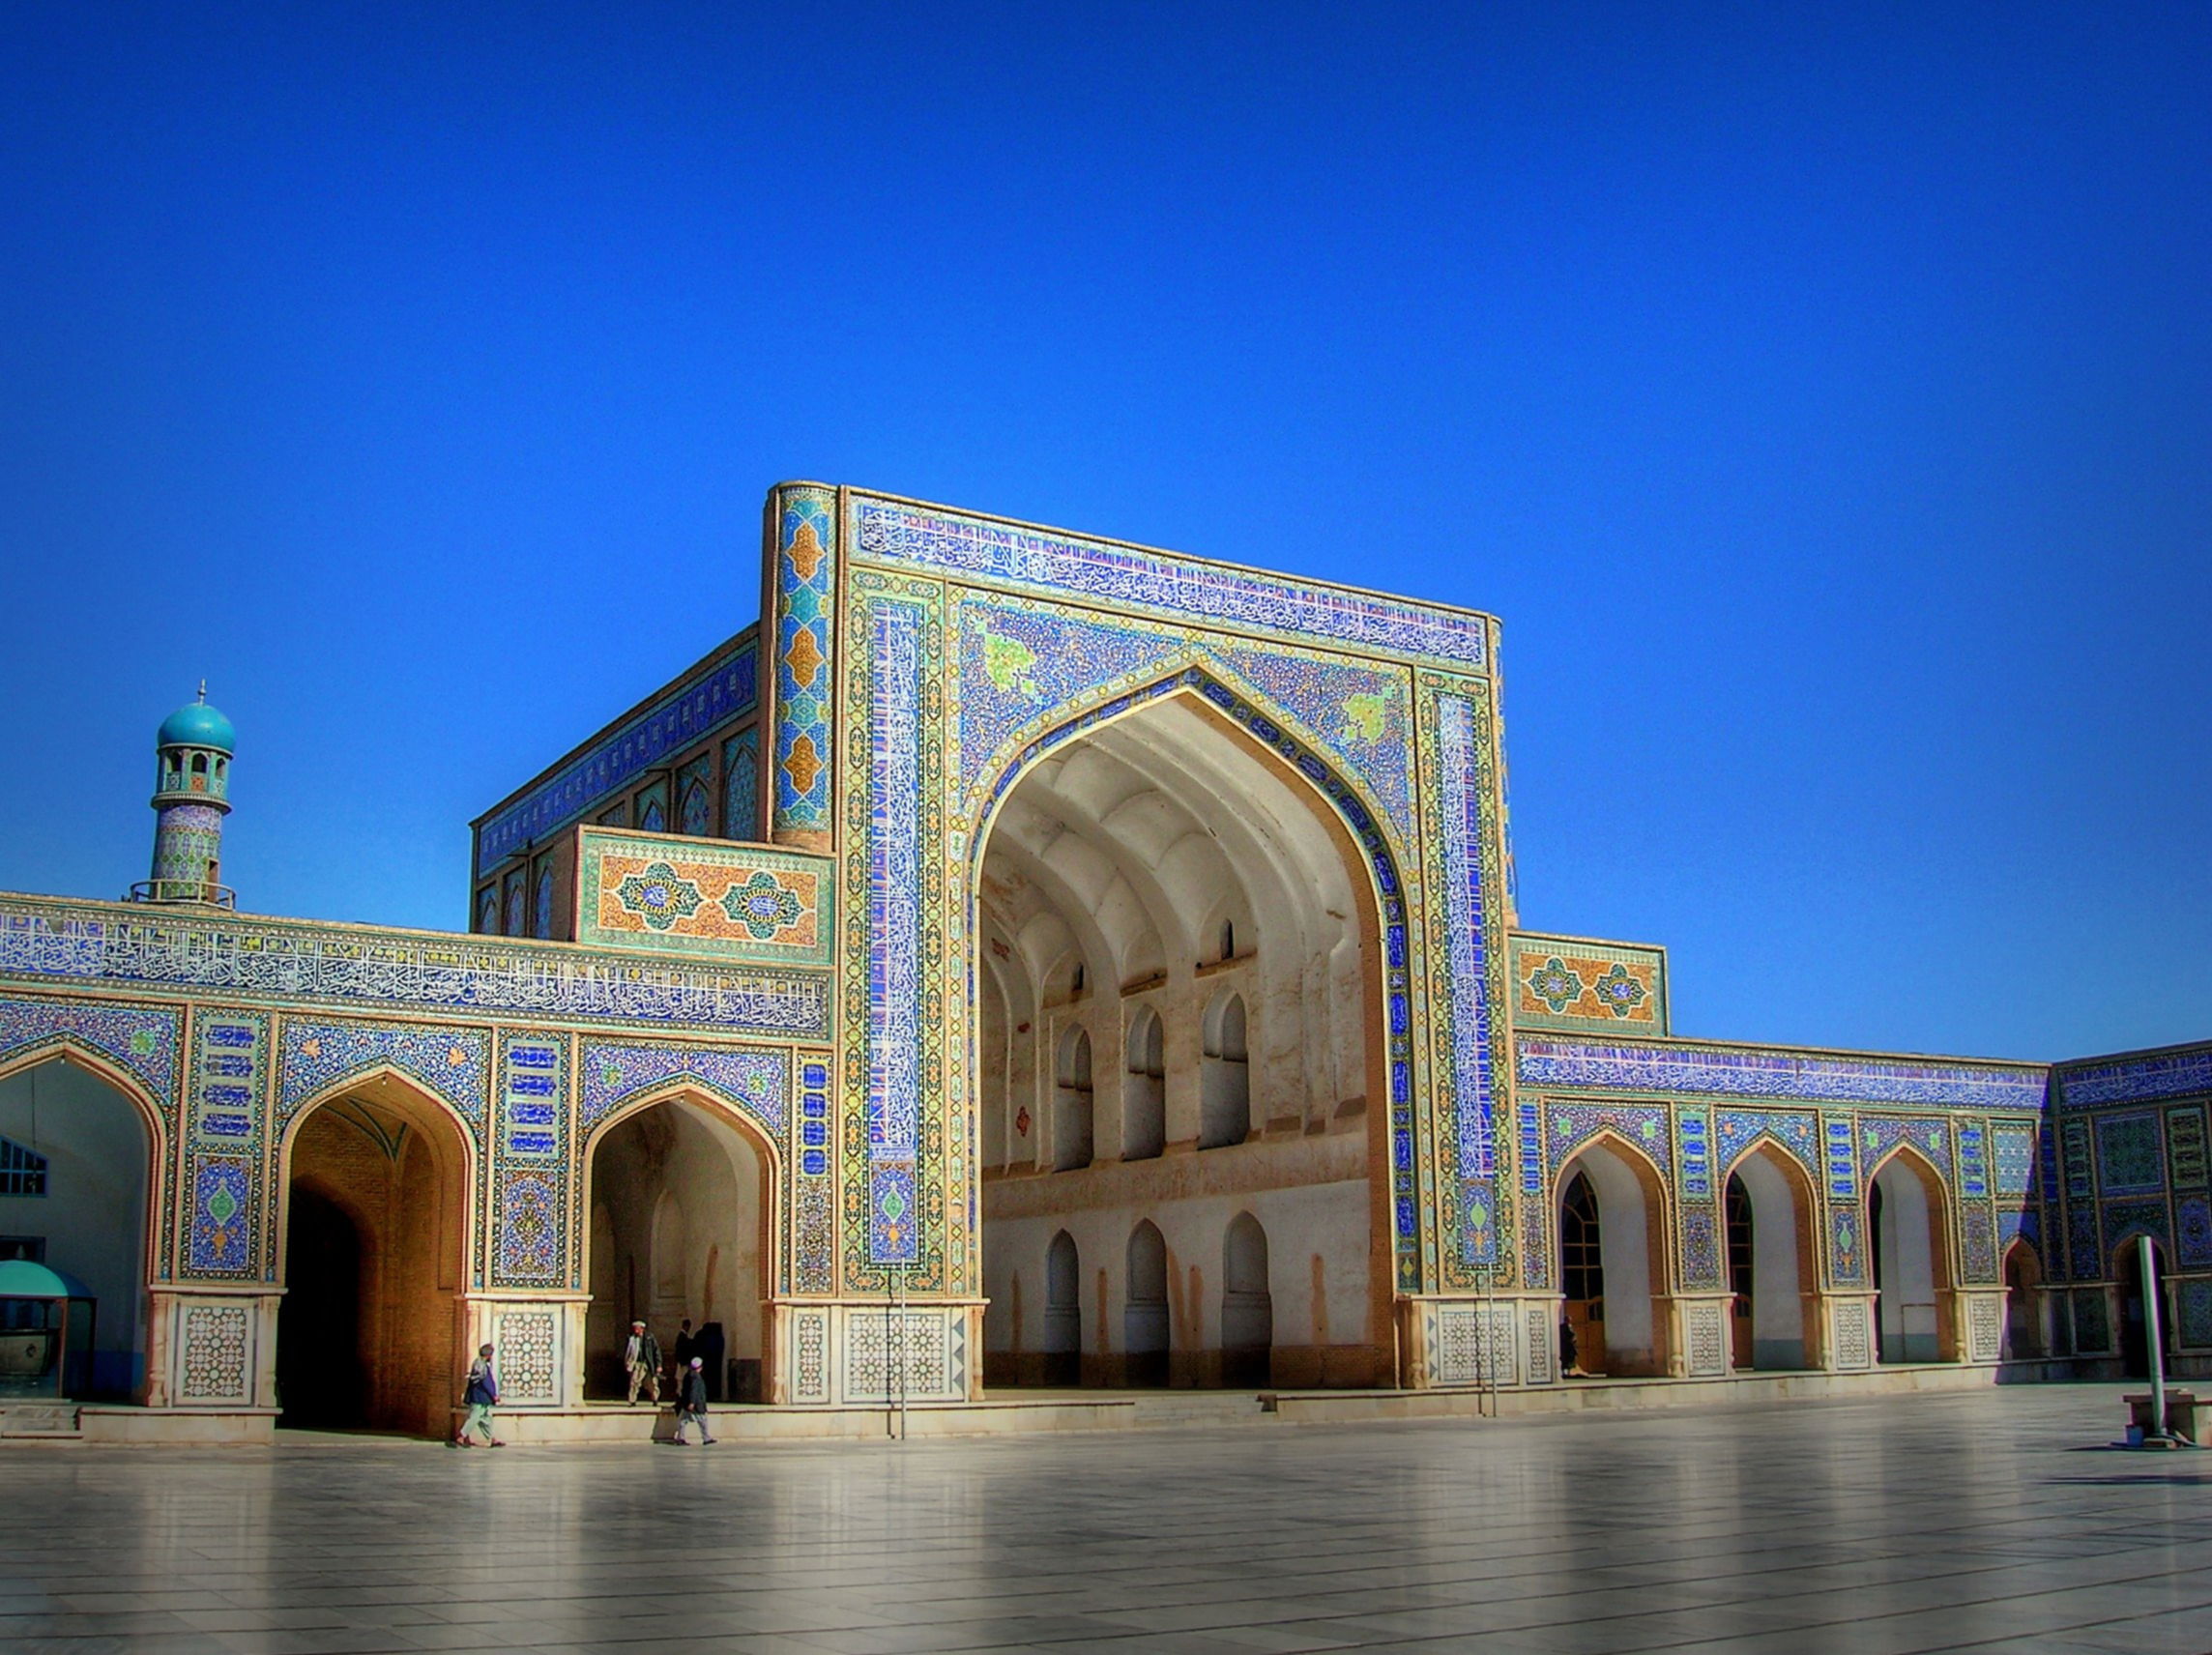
x: 1988, y: 1520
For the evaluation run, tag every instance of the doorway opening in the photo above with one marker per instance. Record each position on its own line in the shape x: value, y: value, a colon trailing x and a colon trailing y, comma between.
x: 1911, y: 1267
x: 681, y: 1239
x: 1771, y: 1268
x: 1611, y: 1256
x: 75, y: 1171
x: 369, y: 1333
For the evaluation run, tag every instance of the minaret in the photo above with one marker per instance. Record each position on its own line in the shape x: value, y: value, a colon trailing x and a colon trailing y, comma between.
x: 192, y: 795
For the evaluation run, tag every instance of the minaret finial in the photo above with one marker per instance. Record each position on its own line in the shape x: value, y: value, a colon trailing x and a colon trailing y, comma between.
x: 203, y: 692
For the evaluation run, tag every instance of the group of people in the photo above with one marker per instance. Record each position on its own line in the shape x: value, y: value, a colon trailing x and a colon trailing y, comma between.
x: 641, y: 1358
x: 641, y: 1361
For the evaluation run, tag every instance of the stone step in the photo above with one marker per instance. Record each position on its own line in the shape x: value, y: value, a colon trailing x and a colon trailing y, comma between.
x: 42, y: 1419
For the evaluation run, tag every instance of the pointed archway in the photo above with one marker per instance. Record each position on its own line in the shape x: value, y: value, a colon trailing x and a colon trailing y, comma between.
x: 680, y: 1188
x: 1613, y: 1214
x: 1908, y: 1223
x: 1180, y: 953
x: 77, y: 1171
x: 1772, y: 1264
x: 377, y: 1181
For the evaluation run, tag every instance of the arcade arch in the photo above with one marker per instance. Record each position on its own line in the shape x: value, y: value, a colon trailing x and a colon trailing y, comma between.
x: 1772, y: 1269
x: 376, y: 1202
x: 76, y: 1176
x: 678, y: 1191
x: 1177, y: 952
x: 1613, y: 1215
x: 1145, y: 1314
x: 2024, y: 1338
x: 1905, y: 1218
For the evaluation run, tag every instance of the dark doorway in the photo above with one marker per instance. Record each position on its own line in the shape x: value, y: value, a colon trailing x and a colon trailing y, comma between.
x: 321, y: 1379
x: 2135, y: 1331
x: 1581, y: 1264
x: 1743, y: 1283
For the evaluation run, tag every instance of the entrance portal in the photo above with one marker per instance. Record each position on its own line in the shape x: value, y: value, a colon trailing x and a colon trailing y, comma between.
x: 1611, y: 1213
x: 369, y: 1333
x: 1770, y: 1261
x: 2024, y: 1304
x: 1905, y: 1205
x: 74, y: 1171
x: 679, y: 1233
x: 1178, y: 953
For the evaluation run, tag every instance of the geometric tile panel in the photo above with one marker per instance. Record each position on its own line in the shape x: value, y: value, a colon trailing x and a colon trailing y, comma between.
x: 704, y: 898
x: 1564, y: 982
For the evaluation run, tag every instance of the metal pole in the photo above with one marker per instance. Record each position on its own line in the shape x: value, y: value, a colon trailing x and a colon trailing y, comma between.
x: 2151, y: 1335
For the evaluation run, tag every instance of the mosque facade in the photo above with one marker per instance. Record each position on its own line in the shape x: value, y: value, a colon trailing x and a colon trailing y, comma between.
x: 1021, y: 960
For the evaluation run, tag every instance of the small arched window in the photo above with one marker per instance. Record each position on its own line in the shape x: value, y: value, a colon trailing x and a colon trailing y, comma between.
x: 1075, y: 982
x: 199, y: 764
x: 1225, y: 1078
x: 1229, y: 938
x: 1071, y: 1132
x: 697, y: 817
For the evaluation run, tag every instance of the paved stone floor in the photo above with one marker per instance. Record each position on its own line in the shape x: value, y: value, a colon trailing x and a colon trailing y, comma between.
x: 1988, y: 1520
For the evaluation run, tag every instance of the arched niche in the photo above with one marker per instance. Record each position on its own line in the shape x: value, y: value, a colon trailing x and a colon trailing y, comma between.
x: 1063, y: 1312
x: 75, y: 1196
x: 2135, y: 1324
x: 1225, y: 1075
x: 377, y: 1183
x: 1145, y: 1327
x: 1626, y: 1321
x: 1145, y: 1092
x: 686, y: 1185
x: 1248, y: 1304
x: 1907, y: 1222
x: 1073, y: 1122
x: 1772, y: 1266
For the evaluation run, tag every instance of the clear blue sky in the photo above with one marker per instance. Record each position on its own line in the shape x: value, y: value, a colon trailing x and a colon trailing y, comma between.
x: 1822, y: 396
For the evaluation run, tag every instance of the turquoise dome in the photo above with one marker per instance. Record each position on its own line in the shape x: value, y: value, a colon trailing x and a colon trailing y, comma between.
x: 198, y: 725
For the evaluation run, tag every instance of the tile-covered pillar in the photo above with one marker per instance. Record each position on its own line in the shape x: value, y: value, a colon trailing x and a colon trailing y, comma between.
x: 800, y: 605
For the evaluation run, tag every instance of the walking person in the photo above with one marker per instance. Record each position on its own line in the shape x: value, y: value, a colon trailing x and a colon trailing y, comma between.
x: 691, y: 1403
x: 481, y: 1395
x: 641, y: 1358
x: 685, y: 1342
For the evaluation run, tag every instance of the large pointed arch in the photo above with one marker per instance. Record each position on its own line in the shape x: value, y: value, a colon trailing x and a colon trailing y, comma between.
x: 1363, y: 835
x: 1914, y: 1268
x: 654, y: 1155
x: 97, y: 1140
x: 378, y: 1177
x: 1635, y: 1212
x: 1782, y: 1307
